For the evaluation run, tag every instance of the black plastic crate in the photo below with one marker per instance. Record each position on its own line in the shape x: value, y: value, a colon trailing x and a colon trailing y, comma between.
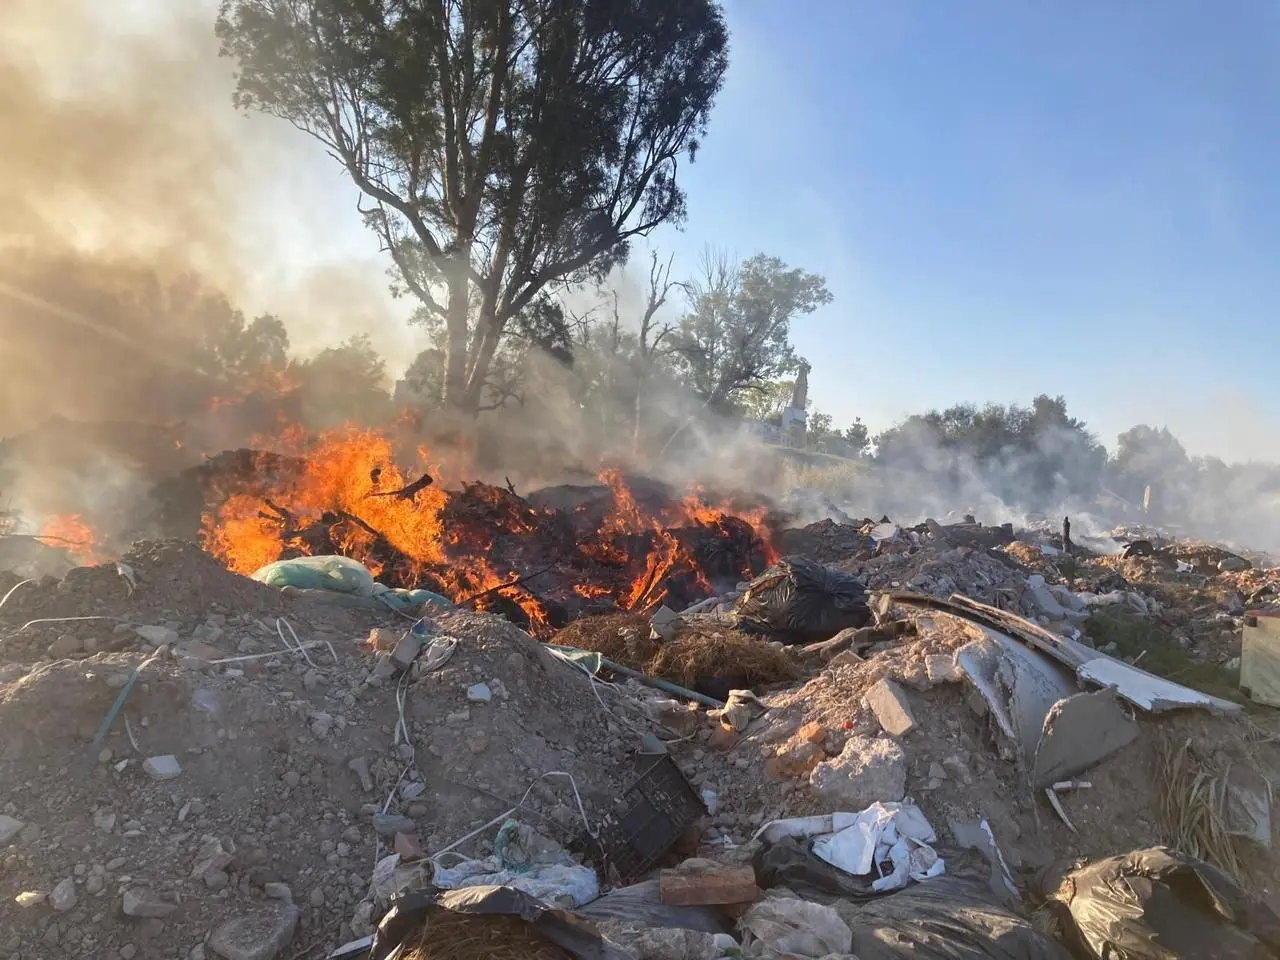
x: 657, y: 809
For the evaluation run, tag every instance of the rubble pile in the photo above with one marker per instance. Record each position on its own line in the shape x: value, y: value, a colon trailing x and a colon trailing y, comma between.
x: 246, y: 786
x: 888, y: 729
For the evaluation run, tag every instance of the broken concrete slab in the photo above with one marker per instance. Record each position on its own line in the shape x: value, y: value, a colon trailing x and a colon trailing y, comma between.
x: 1079, y: 732
x: 889, y: 703
x: 260, y: 933
x: 665, y: 624
x: 1151, y: 693
x: 866, y: 771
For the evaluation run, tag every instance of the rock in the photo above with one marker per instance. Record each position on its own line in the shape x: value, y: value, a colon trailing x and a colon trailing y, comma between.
x: 406, y: 651
x: 384, y: 668
x: 258, y: 934
x: 846, y: 659
x: 794, y: 760
x: 63, y: 896
x: 30, y: 898
x: 104, y: 820
x: 211, y: 859
x: 665, y: 624
x: 1068, y: 598
x: 9, y: 828
x: 941, y: 668
x: 681, y: 719
x: 141, y: 902
x: 65, y: 646
x: 317, y: 897
x: 1044, y: 598
x: 705, y: 883
x: 278, y: 891
x: 128, y: 952
x: 889, y: 704
x: 389, y: 824
x: 477, y: 741
x: 321, y: 725
x: 1233, y: 564
x: 157, y: 636
x: 407, y: 845
x: 866, y: 770
x: 360, y: 767
x: 479, y: 693
x: 812, y: 732
x: 164, y: 767
x: 1138, y: 603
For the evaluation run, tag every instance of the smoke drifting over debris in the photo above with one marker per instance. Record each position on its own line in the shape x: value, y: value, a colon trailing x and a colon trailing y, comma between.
x: 135, y: 202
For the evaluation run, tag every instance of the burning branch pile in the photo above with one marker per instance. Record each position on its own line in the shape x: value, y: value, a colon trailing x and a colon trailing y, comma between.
x: 480, y: 545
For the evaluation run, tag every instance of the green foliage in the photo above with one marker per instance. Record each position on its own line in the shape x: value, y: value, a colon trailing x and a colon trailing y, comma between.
x: 1155, y: 650
x: 503, y: 147
x: 736, y: 335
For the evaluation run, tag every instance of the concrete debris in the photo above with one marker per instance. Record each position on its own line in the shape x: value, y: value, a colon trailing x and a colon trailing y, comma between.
x: 867, y: 770
x: 406, y: 651
x: 164, y: 767
x: 889, y: 704
x: 479, y: 693
x: 258, y: 934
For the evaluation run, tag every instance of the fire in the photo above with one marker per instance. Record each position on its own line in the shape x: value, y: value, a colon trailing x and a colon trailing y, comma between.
x: 356, y: 492
x: 70, y: 532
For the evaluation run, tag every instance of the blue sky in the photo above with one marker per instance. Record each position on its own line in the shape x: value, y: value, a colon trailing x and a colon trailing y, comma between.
x: 1010, y: 198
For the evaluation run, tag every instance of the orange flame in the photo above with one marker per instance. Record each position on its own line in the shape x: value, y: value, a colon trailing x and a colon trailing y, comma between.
x: 72, y: 533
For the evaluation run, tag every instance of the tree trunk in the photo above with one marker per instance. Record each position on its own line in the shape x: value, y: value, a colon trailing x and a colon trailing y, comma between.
x: 457, y: 313
x: 488, y: 336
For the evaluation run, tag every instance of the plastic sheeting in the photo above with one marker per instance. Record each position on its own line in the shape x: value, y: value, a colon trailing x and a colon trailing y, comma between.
x: 1157, y: 904
x: 410, y: 911
x: 342, y: 575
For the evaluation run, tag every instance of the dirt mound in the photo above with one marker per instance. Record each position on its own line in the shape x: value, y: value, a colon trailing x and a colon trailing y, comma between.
x: 173, y: 582
x: 283, y: 762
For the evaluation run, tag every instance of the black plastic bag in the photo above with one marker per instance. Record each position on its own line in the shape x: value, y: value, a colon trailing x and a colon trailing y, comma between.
x: 800, y: 601
x: 409, y: 911
x: 947, y: 918
x: 1157, y: 904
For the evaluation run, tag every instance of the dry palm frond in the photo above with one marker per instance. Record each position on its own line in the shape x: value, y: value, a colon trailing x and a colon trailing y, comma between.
x: 1195, y: 806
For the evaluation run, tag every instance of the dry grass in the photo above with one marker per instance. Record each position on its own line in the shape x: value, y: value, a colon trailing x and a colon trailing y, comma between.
x: 620, y: 637
x: 1195, y: 806
x: 834, y: 479
x: 456, y: 936
x: 740, y: 660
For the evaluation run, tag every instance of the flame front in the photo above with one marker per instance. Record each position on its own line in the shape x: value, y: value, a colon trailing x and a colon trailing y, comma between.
x: 346, y: 492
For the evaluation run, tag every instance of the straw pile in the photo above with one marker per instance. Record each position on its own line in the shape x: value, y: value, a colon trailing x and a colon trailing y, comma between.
x: 699, y: 653
x: 457, y: 936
